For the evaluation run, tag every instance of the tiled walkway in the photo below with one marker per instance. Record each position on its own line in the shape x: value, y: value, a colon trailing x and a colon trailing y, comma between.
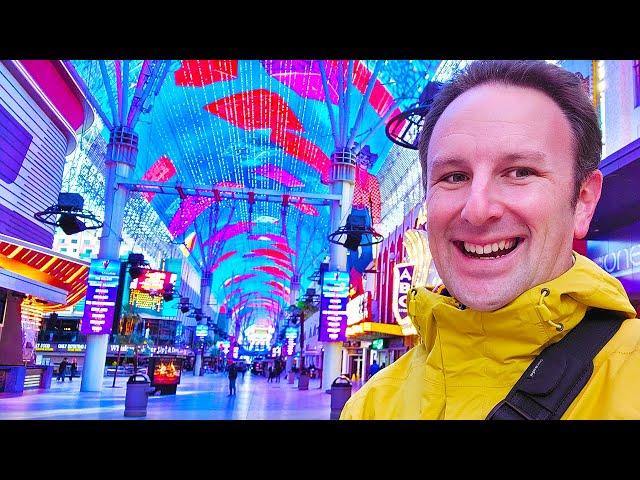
x: 197, y: 398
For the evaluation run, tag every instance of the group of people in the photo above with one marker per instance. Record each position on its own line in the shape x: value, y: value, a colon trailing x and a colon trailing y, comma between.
x: 62, y: 369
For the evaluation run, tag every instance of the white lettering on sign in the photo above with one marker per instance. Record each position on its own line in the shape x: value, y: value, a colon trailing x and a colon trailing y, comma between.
x: 620, y: 262
x: 402, y: 279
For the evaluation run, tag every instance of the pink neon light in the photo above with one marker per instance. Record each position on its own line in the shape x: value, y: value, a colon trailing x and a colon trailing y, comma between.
x: 276, y: 284
x: 270, y: 252
x: 279, y: 175
x: 284, y: 247
x: 303, y: 77
x: 255, y: 110
x: 238, y: 279
x: 229, y: 184
x: 307, y: 209
x: 58, y: 87
x: 198, y: 73
x: 230, y: 231
x: 161, y: 171
x: 278, y: 293
x: 190, y: 209
x: 222, y: 259
x: 282, y: 264
x: 305, y: 150
x: 230, y: 295
x: 276, y: 272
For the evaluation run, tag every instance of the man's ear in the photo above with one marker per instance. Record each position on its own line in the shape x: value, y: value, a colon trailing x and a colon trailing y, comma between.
x: 587, y: 200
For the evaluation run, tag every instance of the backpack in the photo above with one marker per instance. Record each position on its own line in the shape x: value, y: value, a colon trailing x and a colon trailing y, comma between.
x: 556, y: 376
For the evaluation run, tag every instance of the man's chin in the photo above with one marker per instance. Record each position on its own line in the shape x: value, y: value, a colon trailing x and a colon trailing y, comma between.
x: 484, y: 301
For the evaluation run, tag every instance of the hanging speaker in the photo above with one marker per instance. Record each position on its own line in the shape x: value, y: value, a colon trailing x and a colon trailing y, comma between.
x: 353, y: 241
x: 70, y: 224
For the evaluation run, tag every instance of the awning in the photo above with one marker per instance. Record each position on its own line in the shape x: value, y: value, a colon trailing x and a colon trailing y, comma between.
x: 373, y: 330
x: 28, y: 268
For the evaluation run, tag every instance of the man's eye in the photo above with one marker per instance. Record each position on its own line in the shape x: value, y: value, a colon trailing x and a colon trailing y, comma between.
x: 455, y: 178
x: 521, y: 172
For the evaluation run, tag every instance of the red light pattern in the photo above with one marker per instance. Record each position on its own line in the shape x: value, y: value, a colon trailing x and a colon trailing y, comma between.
x: 276, y: 272
x: 238, y: 279
x: 284, y: 247
x: 304, y: 150
x: 161, y: 171
x: 279, y: 175
x: 307, y: 209
x: 256, y: 109
x: 272, y: 253
x: 231, y: 294
x: 198, y: 73
x: 222, y: 259
x: 277, y: 285
x: 282, y: 264
x: 366, y: 193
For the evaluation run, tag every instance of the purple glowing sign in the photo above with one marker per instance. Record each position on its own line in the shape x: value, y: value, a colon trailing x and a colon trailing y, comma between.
x: 99, y: 307
x: 333, y: 307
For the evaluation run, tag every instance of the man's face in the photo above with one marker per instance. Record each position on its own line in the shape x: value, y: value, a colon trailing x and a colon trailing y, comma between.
x: 500, y: 185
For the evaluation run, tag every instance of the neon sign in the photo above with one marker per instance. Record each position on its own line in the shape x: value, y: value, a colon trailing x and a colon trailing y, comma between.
x: 100, y: 303
x: 402, y: 278
x: 333, y: 307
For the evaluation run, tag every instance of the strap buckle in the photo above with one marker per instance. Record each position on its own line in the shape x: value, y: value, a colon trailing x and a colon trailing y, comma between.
x: 501, y: 408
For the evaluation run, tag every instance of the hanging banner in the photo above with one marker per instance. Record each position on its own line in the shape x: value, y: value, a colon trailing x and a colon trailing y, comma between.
x: 402, y: 278
x: 333, y: 307
x: 100, y: 304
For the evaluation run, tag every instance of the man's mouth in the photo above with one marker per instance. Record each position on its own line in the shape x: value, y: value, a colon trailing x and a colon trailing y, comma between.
x: 489, y: 250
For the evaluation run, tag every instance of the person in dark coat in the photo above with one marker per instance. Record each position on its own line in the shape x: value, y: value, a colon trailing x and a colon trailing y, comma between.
x: 233, y: 375
x: 62, y: 368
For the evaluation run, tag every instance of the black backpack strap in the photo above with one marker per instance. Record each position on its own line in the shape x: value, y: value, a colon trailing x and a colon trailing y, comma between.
x: 559, y: 373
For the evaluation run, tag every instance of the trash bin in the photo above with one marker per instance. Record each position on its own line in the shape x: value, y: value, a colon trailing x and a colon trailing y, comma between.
x: 137, y: 397
x: 291, y: 377
x: 340, y: 393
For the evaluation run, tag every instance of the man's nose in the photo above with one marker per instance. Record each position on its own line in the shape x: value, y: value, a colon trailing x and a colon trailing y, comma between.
x: 483, y: 204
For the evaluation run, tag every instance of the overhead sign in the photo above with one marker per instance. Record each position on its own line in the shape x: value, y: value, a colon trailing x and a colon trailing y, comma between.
x: 333, y: 307
x: 402, y: 278
x: 100, y: 303
x: 202, y: 330
x: 153, y: 281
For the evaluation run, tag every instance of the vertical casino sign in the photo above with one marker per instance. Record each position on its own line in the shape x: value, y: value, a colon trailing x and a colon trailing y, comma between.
x: 102, y: 291
x: 402, y: 279
x: 333, y: 307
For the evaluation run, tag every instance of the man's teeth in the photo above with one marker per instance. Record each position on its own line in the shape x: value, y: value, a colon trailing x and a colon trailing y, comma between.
x: 490, y: 247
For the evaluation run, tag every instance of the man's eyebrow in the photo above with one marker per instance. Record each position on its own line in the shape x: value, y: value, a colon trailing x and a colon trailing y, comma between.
x: 524, y: 155
x: 441, y: 161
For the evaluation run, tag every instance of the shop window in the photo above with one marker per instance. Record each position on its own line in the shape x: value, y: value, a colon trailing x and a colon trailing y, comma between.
x: 636, y: 82
x: 63, y: 249
x: 62, y: 240
x: 87, y: 242
x: 75, y: 250
x: 74, y: 240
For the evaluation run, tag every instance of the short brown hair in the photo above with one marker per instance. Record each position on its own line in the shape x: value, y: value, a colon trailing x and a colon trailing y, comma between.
x: 562, y: 86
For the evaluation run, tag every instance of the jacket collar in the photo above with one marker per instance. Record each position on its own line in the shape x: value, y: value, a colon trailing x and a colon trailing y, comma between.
x: 522, y: 328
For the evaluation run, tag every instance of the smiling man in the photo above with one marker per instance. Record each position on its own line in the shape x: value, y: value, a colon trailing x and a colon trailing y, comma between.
x: 509, y: 153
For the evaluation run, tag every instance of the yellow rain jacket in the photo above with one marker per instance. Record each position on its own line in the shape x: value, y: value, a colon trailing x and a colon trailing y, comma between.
x: 468, y: 361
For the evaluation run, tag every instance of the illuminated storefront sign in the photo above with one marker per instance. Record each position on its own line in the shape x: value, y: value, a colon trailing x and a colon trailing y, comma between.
x: 402, y: 277
x: 358, y: 309
x: 377, y: 344
x: 333, y: 307
x: 102, y: 291
x: 276, y: 350
x: 112, y: 349
x: 224, y: 346
x: 618, y: 259
x: 291, y: 333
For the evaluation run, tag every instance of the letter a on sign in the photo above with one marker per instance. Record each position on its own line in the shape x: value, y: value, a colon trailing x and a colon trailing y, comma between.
x: 402, y: 278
